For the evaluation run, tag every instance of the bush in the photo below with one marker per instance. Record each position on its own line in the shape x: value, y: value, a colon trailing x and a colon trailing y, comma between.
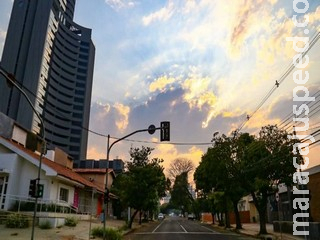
x: 17, y: 221
x: 71, y: 222
x: 111, y: 234
x: 124, y: 227
x: 45, y: 225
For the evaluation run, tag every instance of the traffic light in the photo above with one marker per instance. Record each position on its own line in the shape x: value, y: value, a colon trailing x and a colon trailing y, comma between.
x: 165, y: 131
x: 40, y: 190
x: 33, y: 187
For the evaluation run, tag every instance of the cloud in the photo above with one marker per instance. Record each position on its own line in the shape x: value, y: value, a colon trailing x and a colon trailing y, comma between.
x: 315, y: 16
x: 120, y: 4
x: 197, y: 92
x: 123, y: 115
x: 2, y: 39
x: 164, y: 14
x: 160, y: 83
x: 244, y: 25
x: 216, y: 62
x: 94, y: 153
x: 169, y: 152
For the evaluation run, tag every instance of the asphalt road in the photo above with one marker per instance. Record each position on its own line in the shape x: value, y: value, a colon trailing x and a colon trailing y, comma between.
x: 176, y: 228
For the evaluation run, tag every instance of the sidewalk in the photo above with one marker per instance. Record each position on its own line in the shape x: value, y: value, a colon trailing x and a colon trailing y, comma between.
x: 252, y: 229
x: 79, y: 232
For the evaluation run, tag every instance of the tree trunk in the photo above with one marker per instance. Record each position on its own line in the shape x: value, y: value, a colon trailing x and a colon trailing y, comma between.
x: 132, y: 218
x: 226, y: 210
x: 140, y: 217
x: 262, y: 210
x: 220, y: 220
x: 263, y: 221
x: 212, y: 214
x: 227, y: 217
x: 237, y: 214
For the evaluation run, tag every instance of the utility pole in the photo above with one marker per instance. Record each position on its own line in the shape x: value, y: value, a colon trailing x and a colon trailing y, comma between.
x: 165, y: 136
x: 12, y: 82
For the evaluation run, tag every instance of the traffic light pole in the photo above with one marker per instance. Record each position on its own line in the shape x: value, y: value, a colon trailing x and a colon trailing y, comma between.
x: 151, y: 130
x: 10, y: 78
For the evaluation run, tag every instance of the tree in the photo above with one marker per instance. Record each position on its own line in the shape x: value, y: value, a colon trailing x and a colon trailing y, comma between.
x: 179, y: 166
x: 181, y: 198
x: 268, y: 162
x: 141, y: 186
x: 219, y: 171
x: 247, y: 164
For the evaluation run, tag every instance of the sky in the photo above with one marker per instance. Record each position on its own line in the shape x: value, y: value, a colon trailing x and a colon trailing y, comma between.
x: 203, y: 65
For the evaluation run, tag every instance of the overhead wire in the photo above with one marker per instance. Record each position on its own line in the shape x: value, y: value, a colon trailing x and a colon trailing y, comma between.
x: 290, y: 115
x: 105, y: 135
x: 313, y: 41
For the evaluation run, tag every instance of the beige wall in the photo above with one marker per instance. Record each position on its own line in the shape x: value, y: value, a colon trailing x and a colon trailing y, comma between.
x: 63, y: 158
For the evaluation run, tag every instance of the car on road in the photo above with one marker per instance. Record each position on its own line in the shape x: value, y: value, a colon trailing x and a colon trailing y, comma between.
x: 160, y: 216
x: 191, y: 216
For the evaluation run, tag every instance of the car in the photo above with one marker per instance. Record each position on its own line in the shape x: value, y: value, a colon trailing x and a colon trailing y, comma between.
x: 160, y: 216
x: 191, y: 216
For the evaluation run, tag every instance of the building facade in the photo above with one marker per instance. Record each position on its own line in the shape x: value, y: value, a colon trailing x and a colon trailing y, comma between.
x: 117, y: 165
x: 52, y: 59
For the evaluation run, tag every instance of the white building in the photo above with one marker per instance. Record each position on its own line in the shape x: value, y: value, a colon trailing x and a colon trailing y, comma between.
x: 62, y: 187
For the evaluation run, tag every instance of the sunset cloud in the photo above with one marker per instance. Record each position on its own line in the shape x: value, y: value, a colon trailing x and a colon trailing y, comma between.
x: 161, y: 83
x: 203, y: 65
x: 197, y: 92
x: 169, y: 152
x: 123, y: 115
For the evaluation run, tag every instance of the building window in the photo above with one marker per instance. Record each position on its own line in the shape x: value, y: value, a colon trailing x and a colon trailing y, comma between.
x: 63, y: 194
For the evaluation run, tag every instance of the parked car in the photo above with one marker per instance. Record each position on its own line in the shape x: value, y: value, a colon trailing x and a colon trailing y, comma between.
x: 160, y: 216
x: 191, y: 216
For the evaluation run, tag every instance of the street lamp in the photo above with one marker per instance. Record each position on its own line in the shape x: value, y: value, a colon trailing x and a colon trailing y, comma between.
x: 11, y: 79
x: 165, y: 126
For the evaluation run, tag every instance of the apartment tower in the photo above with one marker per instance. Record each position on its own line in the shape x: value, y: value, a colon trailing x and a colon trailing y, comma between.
x: 52, y: 59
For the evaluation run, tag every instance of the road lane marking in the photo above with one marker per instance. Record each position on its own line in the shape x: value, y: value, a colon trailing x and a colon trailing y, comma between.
x: 195, y: 233
x: 183, y: 228
x: 158, y: 226
x: 210, y: 229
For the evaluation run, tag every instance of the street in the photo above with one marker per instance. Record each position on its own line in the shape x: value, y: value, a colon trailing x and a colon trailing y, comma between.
x: 176, y: 228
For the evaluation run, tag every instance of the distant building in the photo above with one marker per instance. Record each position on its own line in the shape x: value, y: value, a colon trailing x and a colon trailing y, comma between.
x: 117, y: 164
x: 52, y: 58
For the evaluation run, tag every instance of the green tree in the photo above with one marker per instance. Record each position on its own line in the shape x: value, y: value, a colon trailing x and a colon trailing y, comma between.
x: 144, y: 182
x: 181, y: 198
x: 268, y: 162
x: 219, y: 171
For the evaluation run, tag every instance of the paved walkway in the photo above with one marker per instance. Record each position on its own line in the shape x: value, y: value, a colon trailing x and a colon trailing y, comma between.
x: 79, y: 232
x: 252, y: 229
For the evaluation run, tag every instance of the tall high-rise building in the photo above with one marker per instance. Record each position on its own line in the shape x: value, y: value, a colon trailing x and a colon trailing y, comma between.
x: 52, y: 58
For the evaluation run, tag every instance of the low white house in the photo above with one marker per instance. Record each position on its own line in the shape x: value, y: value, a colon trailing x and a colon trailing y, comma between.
x: 63, y: 189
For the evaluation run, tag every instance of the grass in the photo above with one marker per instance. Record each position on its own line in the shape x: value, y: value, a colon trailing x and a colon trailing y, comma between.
x: 111, y: 234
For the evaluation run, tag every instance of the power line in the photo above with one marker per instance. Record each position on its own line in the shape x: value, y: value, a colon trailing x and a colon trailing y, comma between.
x: 281, y: 79
x: 290, y: 115
x: 105, y: 135
x: 167, y: 143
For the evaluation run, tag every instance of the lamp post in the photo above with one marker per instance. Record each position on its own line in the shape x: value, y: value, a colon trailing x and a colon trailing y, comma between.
x: 10, y: 78
x: 151, y: 130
